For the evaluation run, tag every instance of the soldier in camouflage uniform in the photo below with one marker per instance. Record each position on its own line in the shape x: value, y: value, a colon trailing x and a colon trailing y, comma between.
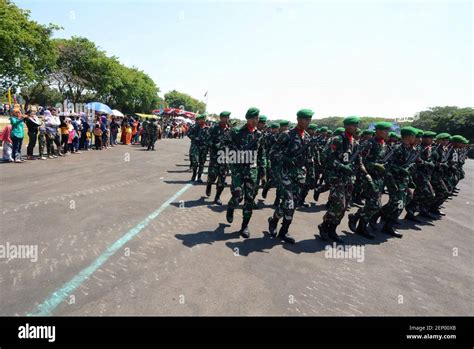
x: 373, y: 154
x: 245, y: 143
x: 218, y: 139
x: 340, y: 160
x: 398, y: 179
x: 262, y: 165
x: 311, y: 160
x: 293, y: 155
x: 198, y: 151
x: 151, y: 134
x: 144, y: 140
x: 269, y: 140
x: 439, y: 155
x: 424, y: 193
x: 358, y: 195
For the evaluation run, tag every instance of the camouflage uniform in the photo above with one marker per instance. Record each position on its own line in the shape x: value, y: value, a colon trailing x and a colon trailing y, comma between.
x: 340, y: 162
x: 437, y: 181
x: 244, y: 175
x: 144, y: 140
x: 199, y: 148
x: 218, y: 139
x: 397, y: 181
x: 273, y: 168
x: 151, y: 134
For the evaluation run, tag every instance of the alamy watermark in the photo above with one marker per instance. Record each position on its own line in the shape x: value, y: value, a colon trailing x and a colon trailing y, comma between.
x: 230, y: 156
x: 345, y: 252
x: 13, y: 251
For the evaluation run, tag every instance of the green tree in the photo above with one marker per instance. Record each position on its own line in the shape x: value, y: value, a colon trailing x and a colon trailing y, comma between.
x: 175, y: 99
x: 26, y: 51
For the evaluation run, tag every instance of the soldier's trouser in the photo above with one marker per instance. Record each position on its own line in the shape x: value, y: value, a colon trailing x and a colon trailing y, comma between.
x: 261, y: 177
x: 373, y: 197
x: 441, y: 191
x: 337, y: 200
x: 217, y: 171
x: 424, y: 193
x: 198, y: 158
x: 397, y: 193
x: 244, y: 180
x: 290, y: 189
x: 310, y: 182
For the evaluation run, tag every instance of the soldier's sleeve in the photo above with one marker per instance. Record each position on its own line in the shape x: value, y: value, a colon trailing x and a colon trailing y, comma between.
x: 333, y: 150
x: 190, y: 133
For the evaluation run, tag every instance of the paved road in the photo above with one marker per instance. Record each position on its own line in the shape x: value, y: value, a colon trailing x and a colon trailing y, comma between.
x: 119, y: 237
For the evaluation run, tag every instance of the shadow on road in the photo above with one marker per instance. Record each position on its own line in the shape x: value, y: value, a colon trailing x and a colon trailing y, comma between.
x: 207, y: 237
x: 257, y: 244
x: 190, y: 203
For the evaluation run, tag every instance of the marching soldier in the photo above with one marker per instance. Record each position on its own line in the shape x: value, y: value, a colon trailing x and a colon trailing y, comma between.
x: 246, y: 141
x: 398, y: 179
x: 198, y: 150
x: 340, y: 157
x: 218, y: 167
x: 373, y: 153
x: 292, y: 155
x: 269, y: 140
x: 151, y: 134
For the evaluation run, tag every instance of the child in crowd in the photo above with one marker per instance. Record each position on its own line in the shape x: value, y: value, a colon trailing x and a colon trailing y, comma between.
x: 98, y: 137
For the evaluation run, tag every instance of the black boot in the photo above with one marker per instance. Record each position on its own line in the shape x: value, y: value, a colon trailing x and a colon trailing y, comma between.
x: 283, y: 233
x: 244, y: 230
x: 316, y: 195
x: 388, y: 229
x: 217, y: 199
x: 323, y: 231
x: 353, y: 219
x: 265, y: 191
x: 333, y: 235
x: 426, y: 214
x: 193, y: 178
x: 199, y: 180
x: 362, y: 229
x: 272, y: 226
x: 411, y: 217
x: 437, y: 211
x: 230, y: 214
x: 208, y: 189
x: 373, y: 220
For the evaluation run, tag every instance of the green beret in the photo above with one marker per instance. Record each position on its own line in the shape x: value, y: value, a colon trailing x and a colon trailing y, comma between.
x: 383, y: 125
x: 252, y: 113
x: 275, y: 125
x: 443, y: 135
x: 419, y: 133
x: 284, y: 123
x: 457, y: 139
x: 466, y: 141
x: 367, y: 133
x: 201, y: 117
x: 329, y: 132
x: 408, y: 131
x: 393, y: 135
x: 323, y: 129
x: 429, y: 134
x: 351, y: 120
x: 262, y: 118
x: 339, y: 131
x: 305, y: 114
x: 312, y: 127
x: 225, y: 114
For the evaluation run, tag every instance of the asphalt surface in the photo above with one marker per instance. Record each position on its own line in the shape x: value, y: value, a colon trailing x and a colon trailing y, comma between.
x: 118, y: 237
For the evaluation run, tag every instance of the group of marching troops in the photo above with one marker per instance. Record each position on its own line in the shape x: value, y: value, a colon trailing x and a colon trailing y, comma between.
x: 150, y: 132
x: 418, y: 170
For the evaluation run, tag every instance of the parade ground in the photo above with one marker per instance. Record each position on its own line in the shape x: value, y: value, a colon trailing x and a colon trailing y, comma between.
x: 123, y: 232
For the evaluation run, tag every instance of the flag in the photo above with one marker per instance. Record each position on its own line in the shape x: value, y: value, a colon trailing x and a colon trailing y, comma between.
x: 205, y: 95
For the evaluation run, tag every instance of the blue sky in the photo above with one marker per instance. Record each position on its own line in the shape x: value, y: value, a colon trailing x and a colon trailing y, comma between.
x: 384, y: 59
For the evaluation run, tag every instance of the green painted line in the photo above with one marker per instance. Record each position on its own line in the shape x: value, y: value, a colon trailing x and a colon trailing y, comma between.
x: 58, y: 296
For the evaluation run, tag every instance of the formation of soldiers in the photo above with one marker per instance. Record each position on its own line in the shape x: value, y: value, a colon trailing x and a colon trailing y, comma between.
x: 150, y: 132
x: 418, y: 170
